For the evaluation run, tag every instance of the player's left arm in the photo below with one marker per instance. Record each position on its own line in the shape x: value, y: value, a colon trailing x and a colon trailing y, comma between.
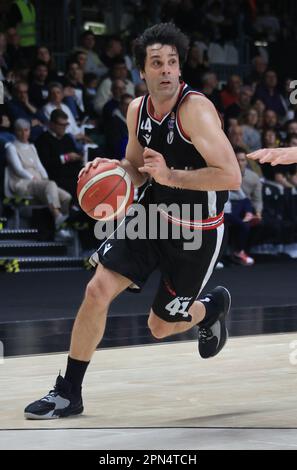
x: 202, y: 125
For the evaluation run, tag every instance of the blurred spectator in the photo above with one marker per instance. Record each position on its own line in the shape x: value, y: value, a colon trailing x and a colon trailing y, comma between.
x: 93, y: 62
x: 141, y: 89
x: 117, y: 131
x: 20, y: 107
x: 43, y: 54
x: 14, y: 50
x: 251, y: 135
x: 270, y: 120
x: 268, y: 93
x: 38, y: 91
x: 243, y: 215
x: 211, y: 91
x: 236, y: 109
x: 260, y: 107
x: 22, y: 16
x: 186, y: 16
x: 74, y: 89
x: 113, y: 50
x: 231, y: 93
x: 118, y: 88
x: 259, y: 67
x: 251, y: 183
x: 194, y: 68
x: 55, y: 98
x: 214, y: 19
x: 276, y: 173
x: 90, y: 88
x: 118, y: 70
x: 27, y: 176
x: 267, y: 24
x: 235, y: 134
x: 58, y: 153
x: 4, y: 58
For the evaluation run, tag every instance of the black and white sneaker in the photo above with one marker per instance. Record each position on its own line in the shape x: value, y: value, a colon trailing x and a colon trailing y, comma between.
x: 58, y: 403
x: 212, y: 336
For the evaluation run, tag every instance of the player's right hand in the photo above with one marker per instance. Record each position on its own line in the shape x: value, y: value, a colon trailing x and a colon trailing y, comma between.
x: 94, y: 163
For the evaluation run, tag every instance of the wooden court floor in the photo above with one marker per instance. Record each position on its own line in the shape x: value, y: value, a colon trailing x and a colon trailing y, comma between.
x: 249, y: 386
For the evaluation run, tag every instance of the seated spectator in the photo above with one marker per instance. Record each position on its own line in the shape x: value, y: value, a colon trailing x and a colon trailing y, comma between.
x: 117, y: 132
x: 243, y: 215
x: 211, y: 91
x: 56, y: 95
x: 278, y: 173
x: 235, y: 134
x: 21, y: 107
x: 230, y: 94
x: 90, y: 88
x: 74, y: 89
x: 251, y: 135
x: 93, y: 63
x: 14, y: 50
x: 251, y: 183
x: 259, y: 67
x: 119, y: 71
x: 44, y: 55
x: 268, y: 93
x: 27, y: 176
x: 141, y: 89
x: 267, y: 24
x: 236, y: 109
x: 270, y: 120
x: 194, y: 68
x: 118, y: 88
x: 38, y: 91
x: 58, y: 154
x: 112, y: 51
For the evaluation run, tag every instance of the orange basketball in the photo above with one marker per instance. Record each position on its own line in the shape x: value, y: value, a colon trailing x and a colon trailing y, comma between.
x: 105, y: 192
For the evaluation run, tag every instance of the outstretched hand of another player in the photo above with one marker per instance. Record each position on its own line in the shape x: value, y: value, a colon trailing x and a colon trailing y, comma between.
x: 155, y: 166
x: 96, y: 162
x: 276, y: 156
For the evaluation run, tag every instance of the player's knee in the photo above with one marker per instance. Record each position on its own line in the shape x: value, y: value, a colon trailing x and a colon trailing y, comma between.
x: 97, y: 292
x: 159, y: 328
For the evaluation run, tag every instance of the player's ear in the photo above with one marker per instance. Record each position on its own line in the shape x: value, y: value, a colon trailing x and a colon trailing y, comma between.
x: 141, y: 75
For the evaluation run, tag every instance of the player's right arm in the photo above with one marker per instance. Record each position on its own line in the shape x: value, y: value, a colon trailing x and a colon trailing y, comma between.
x: 278, y: 156
x: 134, y: 151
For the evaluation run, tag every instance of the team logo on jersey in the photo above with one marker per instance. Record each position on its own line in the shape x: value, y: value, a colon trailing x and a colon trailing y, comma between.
x: 170, y: 137
x: 147, y: 138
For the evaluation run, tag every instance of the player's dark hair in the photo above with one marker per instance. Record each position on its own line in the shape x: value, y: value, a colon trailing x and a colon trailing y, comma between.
x: 163, y: 33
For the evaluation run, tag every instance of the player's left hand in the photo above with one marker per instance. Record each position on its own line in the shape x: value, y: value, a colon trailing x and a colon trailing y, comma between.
x: 155, y: 166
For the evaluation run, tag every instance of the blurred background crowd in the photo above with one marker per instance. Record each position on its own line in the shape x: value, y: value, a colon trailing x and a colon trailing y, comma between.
x: 68, y: 77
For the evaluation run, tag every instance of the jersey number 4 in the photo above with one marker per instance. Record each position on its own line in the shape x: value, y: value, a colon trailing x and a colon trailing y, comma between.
x: 176, y: 306
x: 147, y: 126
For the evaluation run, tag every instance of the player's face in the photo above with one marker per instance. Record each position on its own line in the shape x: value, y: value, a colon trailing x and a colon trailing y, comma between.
x: 161, y: 70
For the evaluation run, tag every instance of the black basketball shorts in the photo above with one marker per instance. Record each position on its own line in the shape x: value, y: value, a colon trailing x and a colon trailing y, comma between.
x: 184, y: 273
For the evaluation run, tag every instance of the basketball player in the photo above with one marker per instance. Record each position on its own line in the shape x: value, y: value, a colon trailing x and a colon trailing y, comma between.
x: 279, y: 156
x: 176, y: 141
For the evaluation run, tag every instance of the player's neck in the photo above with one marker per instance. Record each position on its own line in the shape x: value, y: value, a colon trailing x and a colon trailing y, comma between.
x: 160, y: 108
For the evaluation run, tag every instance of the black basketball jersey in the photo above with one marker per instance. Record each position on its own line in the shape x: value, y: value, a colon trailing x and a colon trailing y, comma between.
x: 167, y: 137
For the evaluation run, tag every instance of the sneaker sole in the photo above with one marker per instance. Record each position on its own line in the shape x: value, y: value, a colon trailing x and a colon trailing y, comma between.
x: 53, y: 416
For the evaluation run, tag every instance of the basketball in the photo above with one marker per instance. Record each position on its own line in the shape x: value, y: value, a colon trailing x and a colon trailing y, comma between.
x: 105, y: 192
